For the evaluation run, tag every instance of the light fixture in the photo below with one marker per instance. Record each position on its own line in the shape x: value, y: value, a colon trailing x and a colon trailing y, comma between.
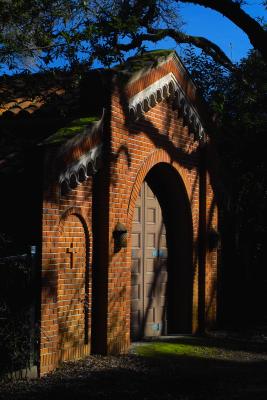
x: 120, y: 237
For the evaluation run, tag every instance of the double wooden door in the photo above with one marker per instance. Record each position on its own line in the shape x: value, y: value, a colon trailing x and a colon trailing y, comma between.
x: 149, y: 267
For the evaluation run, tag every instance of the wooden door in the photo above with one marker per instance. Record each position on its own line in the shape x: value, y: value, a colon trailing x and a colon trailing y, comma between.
x: 149, y: 267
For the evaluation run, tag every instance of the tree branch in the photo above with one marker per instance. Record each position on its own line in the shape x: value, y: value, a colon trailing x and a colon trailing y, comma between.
x: 154, y: 35
x: 232, y: 10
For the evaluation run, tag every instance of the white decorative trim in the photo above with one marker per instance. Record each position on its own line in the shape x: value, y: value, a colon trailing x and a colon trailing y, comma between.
x: 160, y: 90
x: 81, y: 169
x: 88, y: 164
x: 150, y: 93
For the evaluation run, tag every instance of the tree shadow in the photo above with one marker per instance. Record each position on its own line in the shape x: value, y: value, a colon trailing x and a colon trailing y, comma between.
x: 163, y: 376
x: 158, y: 134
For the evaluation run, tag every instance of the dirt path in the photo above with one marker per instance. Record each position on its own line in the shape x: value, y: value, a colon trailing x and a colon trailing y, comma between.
x: 193, y: 369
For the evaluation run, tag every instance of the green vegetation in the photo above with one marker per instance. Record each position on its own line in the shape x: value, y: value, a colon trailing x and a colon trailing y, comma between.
x: 79, y: 32
x: 162, y: 349
x: 237, y: 104
x: 76, y: 126
x: 147, y: 59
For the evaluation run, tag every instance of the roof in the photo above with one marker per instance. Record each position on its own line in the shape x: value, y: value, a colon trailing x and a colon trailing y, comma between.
x: 142, y: 61
x: 48, y: 93
x: 46, y: 108
x: 27, y: 93
x: 54, y: 107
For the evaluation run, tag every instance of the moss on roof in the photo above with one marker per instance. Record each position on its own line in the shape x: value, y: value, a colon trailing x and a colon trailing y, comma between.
x: 147, y: 59
x: 76, y: 126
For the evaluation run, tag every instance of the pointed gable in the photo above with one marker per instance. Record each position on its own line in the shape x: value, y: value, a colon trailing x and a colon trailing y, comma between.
x: 160, y: 75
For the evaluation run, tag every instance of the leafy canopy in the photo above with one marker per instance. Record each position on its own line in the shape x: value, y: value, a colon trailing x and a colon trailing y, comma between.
x: 42, y: 33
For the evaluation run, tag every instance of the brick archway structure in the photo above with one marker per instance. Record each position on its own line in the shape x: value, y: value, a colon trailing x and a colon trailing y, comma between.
x: 158, y: 156
x: 161, y: 131
x: 153, y: 120
x: 167, y: 181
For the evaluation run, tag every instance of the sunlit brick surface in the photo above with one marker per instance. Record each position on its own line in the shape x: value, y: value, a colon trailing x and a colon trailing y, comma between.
x: 78, y: 228
x: 72, y: 284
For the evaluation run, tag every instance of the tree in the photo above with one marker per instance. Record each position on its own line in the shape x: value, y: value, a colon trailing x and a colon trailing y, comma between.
x: 234, y: 12
x: 239, y: 106
x: 76, y: 31
x: 31, y: 29
x: 209, y: 76
x: 241, y: 138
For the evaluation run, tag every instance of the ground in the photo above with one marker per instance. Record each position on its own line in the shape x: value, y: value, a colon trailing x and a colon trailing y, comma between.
x: 181, y: 368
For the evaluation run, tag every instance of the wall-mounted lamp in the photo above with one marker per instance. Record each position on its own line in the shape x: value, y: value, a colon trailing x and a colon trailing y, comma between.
x: 120, y: 237
x: 214, y: 239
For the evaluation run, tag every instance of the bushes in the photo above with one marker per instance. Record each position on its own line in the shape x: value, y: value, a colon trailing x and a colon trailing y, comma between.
x: 17, y: 313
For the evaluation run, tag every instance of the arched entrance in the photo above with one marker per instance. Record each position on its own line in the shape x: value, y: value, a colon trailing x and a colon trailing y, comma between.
x: 162, y: 272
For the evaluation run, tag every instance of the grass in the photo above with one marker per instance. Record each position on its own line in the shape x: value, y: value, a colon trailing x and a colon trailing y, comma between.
x: 162, y: 349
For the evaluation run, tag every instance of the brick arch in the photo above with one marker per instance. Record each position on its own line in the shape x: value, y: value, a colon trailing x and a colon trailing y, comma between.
x: 79, y: 212
x: 180, y: 266
x: 74, y: 286
x: 156, y: 157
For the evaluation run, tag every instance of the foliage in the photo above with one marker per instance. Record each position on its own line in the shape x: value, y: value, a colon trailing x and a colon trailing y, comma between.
x: 27, y: 29
x: 238, y: 104
x: 209, y: 76
x: 243, y: 130
x: 17, y: 301
x: 37, y: 34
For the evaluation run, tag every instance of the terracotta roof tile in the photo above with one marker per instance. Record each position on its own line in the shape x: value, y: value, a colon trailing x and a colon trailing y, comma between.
x: 30, y: 109
x: 15, y: 110
x: 59, y: 92
x: 38, y: 103
x: 25, y: 103
x: 33, y: 92
x: 10, y: 105
x: 19, y: 99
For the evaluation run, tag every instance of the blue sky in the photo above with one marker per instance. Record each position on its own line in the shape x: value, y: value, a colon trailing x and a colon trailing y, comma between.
x: 202, y: 21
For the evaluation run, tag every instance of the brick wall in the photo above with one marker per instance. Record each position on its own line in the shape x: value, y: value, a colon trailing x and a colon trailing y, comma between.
x: 66, y: 275
x: 136, y: 147
x: 131, y: 150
